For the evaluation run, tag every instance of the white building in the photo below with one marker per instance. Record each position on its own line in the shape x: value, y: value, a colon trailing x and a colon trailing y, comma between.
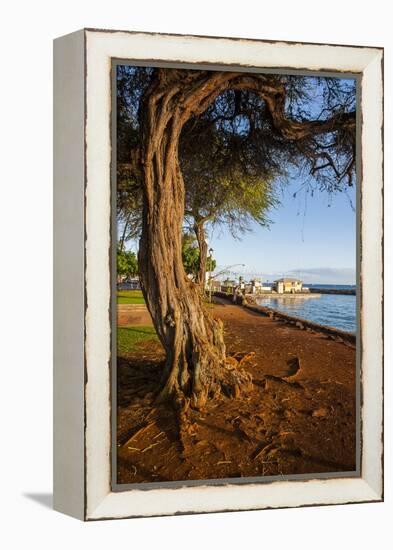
x: 287, y: 285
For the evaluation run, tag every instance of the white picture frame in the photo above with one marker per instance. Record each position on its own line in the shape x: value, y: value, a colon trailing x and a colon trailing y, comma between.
x: 82, y: 242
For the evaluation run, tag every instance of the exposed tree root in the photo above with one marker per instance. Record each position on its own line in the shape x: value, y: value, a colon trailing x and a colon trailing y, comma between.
x: 228, y: 382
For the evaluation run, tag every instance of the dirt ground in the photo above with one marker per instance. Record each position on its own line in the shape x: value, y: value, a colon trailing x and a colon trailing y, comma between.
x: 298, y: 418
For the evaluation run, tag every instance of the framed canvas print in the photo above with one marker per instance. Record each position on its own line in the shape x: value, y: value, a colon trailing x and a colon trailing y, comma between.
x: 218, y: 274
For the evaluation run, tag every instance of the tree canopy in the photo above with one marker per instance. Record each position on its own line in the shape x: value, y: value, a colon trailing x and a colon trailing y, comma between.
x: 304, y: 121
x: 222, y: 186
x: 233, y: 153
x: 192, y: 257
x: 127, y: 263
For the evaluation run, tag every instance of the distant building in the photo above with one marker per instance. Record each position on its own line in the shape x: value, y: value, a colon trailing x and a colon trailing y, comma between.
x: 256, y: 287
x: 214, y: 285
x: 230, y: 283
x: 288, y: 286
x: 132, y: 283
x: 265, y: 288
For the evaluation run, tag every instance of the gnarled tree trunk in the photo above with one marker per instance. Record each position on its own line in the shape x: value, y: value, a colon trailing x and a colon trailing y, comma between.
x: 192, y: 338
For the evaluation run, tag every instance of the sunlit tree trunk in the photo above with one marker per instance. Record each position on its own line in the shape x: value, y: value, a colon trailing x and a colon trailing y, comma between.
x: 192, y: 338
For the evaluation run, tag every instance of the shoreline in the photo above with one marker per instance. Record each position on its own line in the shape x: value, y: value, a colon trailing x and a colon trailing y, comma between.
x: 285, y: 296
x: 299, y: 322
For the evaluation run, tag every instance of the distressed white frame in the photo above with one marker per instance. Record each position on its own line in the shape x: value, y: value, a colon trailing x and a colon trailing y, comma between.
x: 99, y: 48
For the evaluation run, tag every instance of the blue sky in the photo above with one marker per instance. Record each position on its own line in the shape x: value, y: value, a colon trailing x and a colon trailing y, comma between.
x: 311, y: 237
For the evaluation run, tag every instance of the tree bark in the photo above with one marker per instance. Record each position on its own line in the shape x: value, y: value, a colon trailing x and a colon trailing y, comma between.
x: 192, y: 338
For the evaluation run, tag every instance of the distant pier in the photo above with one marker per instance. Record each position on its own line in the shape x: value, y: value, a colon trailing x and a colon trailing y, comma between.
x: 343, y: 291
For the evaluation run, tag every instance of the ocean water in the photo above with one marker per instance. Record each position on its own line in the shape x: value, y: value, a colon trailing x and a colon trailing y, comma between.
x: 334, y: 310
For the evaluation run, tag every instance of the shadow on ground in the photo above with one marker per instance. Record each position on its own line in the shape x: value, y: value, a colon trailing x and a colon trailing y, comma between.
x: 44, y: 499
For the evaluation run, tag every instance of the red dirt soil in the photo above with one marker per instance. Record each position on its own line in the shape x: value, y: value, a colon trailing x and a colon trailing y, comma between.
x: 299, y: 418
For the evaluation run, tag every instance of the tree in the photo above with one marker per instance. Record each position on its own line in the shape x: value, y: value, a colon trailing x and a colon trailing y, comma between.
x: 191, y: 257
x: 227, y: 182
x: 196, y: 365
x: 127, y: 264
x: 221, y: 187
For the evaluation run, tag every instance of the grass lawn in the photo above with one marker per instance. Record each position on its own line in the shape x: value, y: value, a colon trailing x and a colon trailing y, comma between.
x: 130, y: 297
x: 128, y: 338
x: 136, y: 297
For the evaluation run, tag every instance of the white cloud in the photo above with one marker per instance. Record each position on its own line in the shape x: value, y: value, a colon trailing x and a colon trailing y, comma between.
x: 326, y: 275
